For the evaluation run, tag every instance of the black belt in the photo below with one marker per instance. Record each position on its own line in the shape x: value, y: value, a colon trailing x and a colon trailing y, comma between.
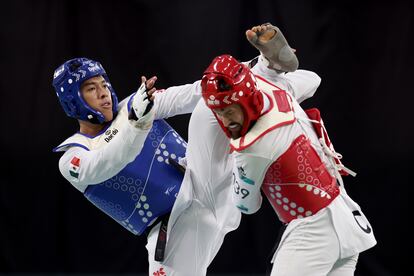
x: 162, y: 239
x: 162, y: 236
x: 162, y: 233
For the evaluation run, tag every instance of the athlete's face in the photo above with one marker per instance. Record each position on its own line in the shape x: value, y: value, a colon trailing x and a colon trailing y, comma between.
x: 232, y: 118
x: 96, y: 93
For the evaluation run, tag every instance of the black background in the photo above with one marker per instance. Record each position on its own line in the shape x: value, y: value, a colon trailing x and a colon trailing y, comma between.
x: 362, y: 50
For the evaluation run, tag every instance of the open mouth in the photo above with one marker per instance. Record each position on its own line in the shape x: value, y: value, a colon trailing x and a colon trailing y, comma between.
x: 234, y: 127
x: 234, y: 130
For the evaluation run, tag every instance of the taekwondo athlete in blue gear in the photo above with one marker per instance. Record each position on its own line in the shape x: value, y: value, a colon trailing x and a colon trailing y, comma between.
x: 145, y: 185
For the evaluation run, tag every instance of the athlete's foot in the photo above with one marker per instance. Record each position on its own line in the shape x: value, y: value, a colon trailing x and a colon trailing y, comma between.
x: 269, y: 40
x: 261, y: 34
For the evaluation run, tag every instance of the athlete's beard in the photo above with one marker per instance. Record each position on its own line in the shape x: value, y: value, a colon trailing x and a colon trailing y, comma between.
x: 235, y: 130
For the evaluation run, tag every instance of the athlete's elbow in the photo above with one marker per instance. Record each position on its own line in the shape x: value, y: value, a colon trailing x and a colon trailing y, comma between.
x: 315, y: 82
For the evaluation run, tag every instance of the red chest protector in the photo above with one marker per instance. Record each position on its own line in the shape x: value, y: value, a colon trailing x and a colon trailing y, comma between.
x: 298, y: 183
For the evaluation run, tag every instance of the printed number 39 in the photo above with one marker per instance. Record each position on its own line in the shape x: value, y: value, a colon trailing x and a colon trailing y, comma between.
x: 238, y: 189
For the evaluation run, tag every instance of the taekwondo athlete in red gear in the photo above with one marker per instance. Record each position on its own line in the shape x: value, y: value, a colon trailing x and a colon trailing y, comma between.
x: 204, y: 212
x: 284, y: 151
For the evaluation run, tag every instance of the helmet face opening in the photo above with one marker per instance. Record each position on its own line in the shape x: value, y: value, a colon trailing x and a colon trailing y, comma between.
x: 67, y: 82
x: 227, y: 81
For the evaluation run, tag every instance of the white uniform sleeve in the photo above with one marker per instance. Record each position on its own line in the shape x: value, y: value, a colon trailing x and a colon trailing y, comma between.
x: 302, y: 84
x: 248, y: 174
x: 96, y: 166
x: 177, y: 100
x: 208, y: 147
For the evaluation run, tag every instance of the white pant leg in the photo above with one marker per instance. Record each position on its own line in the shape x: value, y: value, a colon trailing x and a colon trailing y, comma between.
x: 192, y: 244
x: 311, y: 248
x: 344, y: 267
x: 198, y: 232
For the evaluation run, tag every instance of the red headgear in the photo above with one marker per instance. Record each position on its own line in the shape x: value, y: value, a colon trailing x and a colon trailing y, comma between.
x: 227, y: 81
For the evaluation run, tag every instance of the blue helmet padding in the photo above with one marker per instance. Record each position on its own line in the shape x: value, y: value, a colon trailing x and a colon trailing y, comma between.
x: 67, y: 81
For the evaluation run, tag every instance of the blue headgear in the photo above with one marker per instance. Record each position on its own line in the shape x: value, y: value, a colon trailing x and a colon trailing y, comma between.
x: 67, y: 81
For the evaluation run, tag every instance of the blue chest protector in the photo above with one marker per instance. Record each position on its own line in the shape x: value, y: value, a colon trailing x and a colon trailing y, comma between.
x: 147, y: 187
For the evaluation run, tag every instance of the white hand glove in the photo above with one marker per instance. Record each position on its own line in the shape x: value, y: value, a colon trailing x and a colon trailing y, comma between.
x: 142, y: 108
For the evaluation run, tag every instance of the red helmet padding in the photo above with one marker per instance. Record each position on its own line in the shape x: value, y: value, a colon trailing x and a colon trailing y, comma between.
x: 227, y: 81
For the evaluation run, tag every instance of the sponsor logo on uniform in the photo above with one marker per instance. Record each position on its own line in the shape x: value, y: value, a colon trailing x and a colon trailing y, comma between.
x: 110, y: 133
x: 242, y: 176
x: 169, y: 190
x: 74, y: 167
x: 93, y: 67
x: 357, y: 215
x: 213, y: 101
